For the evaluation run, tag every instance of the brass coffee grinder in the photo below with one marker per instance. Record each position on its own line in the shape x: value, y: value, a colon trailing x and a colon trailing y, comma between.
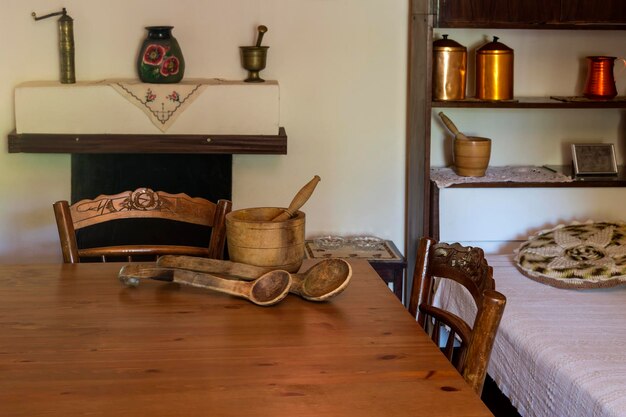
x: 253, y: 58
x: 66, y: 44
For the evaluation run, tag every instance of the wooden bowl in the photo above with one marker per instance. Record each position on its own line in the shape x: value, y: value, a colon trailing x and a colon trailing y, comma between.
x: 254, y: 239
x: 471, y: 157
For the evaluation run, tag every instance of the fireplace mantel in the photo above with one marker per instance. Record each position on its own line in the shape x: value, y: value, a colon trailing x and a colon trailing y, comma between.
x: 104, y: 143
x: 227, y: 117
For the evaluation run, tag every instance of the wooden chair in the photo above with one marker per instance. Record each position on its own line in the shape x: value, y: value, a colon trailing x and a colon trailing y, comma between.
x: 468, y: 267
x: 141, y: 203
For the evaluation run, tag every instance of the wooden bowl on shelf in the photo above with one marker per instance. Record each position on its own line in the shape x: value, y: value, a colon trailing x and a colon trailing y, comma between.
x: 471, y: 156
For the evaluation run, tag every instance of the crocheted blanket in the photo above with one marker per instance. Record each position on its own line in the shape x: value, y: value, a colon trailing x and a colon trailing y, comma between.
x: 579, y: 255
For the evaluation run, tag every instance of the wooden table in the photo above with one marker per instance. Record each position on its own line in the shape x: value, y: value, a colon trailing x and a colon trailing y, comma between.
x: 388, y: 262
x: 74, y: 341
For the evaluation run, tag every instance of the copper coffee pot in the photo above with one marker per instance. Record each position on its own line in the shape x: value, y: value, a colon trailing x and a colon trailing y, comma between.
x: 600, y: 83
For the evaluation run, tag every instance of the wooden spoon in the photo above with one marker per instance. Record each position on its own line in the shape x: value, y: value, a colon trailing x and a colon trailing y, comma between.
x: 266, y: 290
x: 322, y: 281
x: 298, y: 201
x: 452, y: 127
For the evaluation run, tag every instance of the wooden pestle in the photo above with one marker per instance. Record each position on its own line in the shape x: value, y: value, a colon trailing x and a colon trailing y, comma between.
x: 322, y: 281
x: 268, y: 289
x: 452, y: 127
x: 298, y: 201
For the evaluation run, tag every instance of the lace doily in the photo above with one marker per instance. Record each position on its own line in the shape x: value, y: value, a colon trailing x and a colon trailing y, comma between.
x: 445, y: 177
x: 579, y: 255
x: 162, y: 103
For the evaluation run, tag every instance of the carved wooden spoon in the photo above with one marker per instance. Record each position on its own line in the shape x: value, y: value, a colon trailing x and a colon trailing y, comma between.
x: 266, y: 290
x: 322, y: 281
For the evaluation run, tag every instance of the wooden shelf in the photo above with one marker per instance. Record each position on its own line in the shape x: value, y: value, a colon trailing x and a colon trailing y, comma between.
x: 618, y: 180
x: 579, y: 182
x: 536, y: 26
x: 532, y: 103
x: 173, y: 144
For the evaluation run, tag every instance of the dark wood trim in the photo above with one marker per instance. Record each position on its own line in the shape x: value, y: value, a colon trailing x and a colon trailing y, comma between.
x: 537, y: 26
x: 173, y: 144
x: 533, y: 103
x: 418, y: 130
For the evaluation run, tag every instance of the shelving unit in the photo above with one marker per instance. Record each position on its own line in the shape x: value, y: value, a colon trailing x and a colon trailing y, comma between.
x: 422, y: 195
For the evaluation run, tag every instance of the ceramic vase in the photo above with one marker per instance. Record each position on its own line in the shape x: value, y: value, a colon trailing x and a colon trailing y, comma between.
x: 160, y: 59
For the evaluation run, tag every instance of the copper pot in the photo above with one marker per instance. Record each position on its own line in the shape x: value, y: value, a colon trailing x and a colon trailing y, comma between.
x: 494, y: 71
x: 600, y: 82
x: 449, y: 69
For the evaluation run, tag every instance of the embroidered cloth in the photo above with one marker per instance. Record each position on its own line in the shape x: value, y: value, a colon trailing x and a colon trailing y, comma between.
x: 445, y: 177
x: 162, y: 103
x: 588, y: 255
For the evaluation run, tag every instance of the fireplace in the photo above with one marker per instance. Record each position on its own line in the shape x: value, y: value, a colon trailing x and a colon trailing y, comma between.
x: 117, y: 145
x: 197, y: 175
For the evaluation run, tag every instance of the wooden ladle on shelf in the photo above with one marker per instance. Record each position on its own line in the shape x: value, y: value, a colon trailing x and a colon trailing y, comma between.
x: 322, y: 281
x: 298, y: 200
x: 268, y: 289
x: 457, y: 134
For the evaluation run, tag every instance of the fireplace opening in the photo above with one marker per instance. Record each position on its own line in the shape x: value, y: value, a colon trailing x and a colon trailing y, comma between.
x: 197, y: 175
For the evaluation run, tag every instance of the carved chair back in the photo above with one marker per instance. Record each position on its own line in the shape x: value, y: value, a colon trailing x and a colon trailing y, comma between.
x: 467, y: 346
x: 141, y: 203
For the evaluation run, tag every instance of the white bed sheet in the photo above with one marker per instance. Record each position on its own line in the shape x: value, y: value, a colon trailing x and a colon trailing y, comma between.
x: 558, y: 353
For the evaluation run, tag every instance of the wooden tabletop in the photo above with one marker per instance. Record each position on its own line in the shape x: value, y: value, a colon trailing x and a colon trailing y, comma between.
x: 74, y: 341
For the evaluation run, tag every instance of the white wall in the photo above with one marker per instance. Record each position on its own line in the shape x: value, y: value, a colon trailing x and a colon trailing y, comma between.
x: 341, y: 65
x: 547, y: 62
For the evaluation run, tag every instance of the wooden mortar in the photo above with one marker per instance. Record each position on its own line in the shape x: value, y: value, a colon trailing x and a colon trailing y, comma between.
x: 255, y: 239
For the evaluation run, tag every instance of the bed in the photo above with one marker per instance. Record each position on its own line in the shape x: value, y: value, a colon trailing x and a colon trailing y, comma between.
x: 558, y: 352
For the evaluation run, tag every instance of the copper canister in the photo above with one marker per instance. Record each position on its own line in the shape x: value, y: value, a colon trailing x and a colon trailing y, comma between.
x: 449, y: 69
x: 494, y: 71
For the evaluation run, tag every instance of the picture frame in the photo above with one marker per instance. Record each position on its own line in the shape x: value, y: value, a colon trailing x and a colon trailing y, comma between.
x: 594, y: 159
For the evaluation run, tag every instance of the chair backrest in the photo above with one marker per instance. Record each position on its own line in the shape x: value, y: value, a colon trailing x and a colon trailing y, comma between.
x: 467, y: 347
x: 141, y: 203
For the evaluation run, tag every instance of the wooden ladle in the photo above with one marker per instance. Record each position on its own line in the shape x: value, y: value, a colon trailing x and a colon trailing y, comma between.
x: 298, y: 200
x: 452, y: 127
x: 266, y: 290
x: 322, y: 281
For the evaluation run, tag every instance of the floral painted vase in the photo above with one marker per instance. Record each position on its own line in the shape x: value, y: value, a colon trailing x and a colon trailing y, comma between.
x: 160, y: 59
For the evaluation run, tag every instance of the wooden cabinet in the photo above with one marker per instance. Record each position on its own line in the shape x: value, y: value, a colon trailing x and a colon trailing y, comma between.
x: 421, y: 208
x: 528, y: 13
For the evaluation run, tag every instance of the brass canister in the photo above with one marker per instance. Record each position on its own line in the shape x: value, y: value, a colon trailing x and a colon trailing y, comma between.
x: 494, y: 71
x: 449, y: 69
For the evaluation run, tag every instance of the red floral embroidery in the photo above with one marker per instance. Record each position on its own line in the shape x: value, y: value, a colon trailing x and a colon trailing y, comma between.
x: 154, y: 54
x: 170, y: 66
x: 150, y: 96
x: 174, y: 96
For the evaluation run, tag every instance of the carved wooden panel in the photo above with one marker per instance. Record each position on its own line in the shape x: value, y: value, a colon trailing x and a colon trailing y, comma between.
x: 143, y: 203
